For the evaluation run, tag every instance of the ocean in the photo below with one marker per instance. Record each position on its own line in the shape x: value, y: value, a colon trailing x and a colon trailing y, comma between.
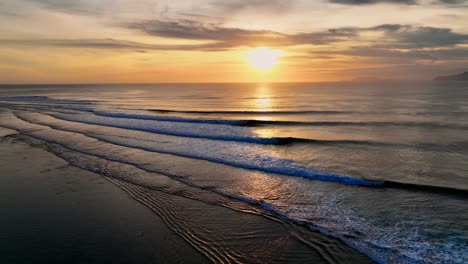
x: 382, y: 167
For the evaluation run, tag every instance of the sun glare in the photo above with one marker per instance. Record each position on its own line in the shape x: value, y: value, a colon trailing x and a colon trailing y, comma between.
x: 263, y: 58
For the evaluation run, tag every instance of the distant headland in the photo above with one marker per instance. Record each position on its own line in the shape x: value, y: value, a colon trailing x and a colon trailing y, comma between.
x: 455, y: 77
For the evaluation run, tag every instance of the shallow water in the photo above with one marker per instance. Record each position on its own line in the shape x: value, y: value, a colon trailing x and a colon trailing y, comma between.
x: 382, y: 167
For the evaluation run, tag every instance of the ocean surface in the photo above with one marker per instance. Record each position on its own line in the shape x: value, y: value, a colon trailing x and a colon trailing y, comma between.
x: 382, y: 167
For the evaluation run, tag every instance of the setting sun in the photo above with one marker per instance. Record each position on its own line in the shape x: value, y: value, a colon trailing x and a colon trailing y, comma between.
x: 263, y: 58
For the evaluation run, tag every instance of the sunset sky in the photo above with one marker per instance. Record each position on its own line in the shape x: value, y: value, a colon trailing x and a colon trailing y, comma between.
x: 91, y: 41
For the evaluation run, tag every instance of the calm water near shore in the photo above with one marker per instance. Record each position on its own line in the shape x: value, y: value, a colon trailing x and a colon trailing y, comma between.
x: 381, y: 167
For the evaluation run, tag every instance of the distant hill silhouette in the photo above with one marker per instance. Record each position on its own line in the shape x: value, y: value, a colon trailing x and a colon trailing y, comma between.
x: 456, y: 77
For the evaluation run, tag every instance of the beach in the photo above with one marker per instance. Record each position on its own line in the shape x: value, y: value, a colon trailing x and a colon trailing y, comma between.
x: 56, y: 213
x: 347, y: 174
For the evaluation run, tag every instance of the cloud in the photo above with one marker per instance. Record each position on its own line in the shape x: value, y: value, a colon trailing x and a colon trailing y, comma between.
x: 452, y: 2
x: 381, y: 53
x: 200, y: 16
x: 193, y: 30
x: 419, y: 37
x: 378, y: 55
x: 106, y: 44
x: 367, y: 2
x: 390, y: 27
x: 73, y: 7
x: 394, y: 35
x: 274, y: 6
x: 231, y: 37
x: 405, y: 2
x: 451, y: 54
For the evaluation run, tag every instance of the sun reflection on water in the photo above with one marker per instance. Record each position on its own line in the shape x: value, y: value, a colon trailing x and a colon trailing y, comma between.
x: 263, y: 103
x: 263, y: 99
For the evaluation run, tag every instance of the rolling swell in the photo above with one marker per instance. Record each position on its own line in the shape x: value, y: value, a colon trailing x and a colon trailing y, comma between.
x: 355, y: 124
x: 242, y: 122
x: 287, y: 171
x: 170, y: 118
x: 304, y: 112
x: 253, y: 122
x: 278, y: 166
x: 454, y: 147
x: 43, y: 99
x: 178, y: 133
x: 425, y: 188
x: 251, y: 112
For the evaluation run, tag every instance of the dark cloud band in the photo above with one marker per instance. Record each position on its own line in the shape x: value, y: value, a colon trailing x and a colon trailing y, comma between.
x: 367, y: 2
x: 395, y: 35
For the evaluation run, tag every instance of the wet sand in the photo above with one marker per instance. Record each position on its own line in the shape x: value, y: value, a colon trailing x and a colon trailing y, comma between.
x: 53, y: 212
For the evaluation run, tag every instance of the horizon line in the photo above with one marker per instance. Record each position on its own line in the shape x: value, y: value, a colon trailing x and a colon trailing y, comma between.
x: 149, y: 83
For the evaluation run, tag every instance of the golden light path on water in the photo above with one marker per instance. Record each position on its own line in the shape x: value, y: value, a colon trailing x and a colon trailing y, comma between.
x: 263, y: 103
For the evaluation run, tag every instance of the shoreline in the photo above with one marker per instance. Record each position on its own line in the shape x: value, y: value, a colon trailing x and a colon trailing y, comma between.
x: 269, y: 239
